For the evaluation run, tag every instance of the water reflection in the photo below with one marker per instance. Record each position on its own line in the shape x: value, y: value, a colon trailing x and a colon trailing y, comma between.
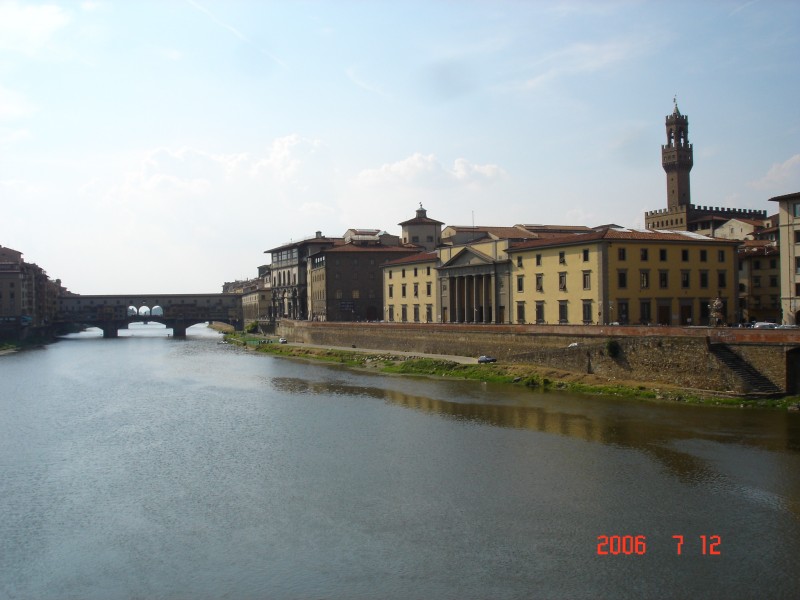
x: 665, y: 433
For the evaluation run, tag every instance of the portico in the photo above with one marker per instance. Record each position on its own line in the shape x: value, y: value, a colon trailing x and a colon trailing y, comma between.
x: 474, y: 288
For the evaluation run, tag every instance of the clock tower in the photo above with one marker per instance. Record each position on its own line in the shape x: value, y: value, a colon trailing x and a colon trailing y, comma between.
x: 677, y: 159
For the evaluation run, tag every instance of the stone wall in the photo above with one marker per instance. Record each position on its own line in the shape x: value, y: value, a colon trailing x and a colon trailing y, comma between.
x: 653, y: 355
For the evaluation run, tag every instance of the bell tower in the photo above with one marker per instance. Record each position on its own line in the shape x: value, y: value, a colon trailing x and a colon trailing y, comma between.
x: 677, y: 159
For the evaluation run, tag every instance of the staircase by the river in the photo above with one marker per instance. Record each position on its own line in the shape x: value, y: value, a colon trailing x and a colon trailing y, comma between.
x: 757, y: 382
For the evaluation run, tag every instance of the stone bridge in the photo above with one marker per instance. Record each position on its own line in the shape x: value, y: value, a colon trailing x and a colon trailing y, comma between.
x: 178, y: 311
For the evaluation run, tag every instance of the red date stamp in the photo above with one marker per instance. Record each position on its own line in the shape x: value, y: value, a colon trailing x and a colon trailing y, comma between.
x: 627, y: 545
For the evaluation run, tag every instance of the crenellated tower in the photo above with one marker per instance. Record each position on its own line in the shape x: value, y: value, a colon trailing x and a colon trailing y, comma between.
x: 677, y: 159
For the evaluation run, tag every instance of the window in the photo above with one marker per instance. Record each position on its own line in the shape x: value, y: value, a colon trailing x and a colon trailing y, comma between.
x: 587, y: 312
x: 391, y: 291
x: 703, y: 279
x: 756, y: 265
x: 562, y: 282
x: 540, y: 312
x: 644, y: 311
x: 519, y: 261
x: 587, y: 280
x: 644, y: 279
x: 429, y: 313
x: 403, y: 273
x: 797, y: 237
x: 391, y: 313
x: 563, y: 311
x: 416, y: 290
x: 356, y: 294
x: 403, y: 290
x: 415, y: 271
x: 539, y: 282
x: 773, y: 281
x: 756, y: 282
x: 663, y: 279
x: 623, y: 311
x: 685, y: 280
x: 796, y: 209
x: 404, y: 313
x: 703, y: 255
x: 797, y: 265
x: 428, y: 272
x: 773, y: 264
x: 621, y: 254
x: 662, y: 254
x: 428, y: 288
x: 797, y: 289
x: 720, y: 255
x: 722, y: 279
x: 622, y: 279
x: 643, y: 254
x: 685, y: 255
x: 520, y: 312
x: 561, y: 258
x: 416, y: 313
x: 414, y: 239
x: 338, y: 294
x: 390, y: 273
x: 520, y: 283
x: 538, y: 260
x: 585, y: 255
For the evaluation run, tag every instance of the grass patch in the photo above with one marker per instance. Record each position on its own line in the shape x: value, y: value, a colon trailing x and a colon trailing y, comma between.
x: 516, y: 374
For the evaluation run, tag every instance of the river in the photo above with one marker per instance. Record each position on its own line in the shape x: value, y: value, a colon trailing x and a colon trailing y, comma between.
x: 153, y: 467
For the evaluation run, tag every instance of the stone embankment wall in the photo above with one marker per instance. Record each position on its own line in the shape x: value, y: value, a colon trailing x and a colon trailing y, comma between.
x: 655, y: 355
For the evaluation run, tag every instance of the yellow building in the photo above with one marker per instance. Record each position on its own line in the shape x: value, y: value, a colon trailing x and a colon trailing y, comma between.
x: 625, y: 276
x: 411, y: 289
x: 789, y: 226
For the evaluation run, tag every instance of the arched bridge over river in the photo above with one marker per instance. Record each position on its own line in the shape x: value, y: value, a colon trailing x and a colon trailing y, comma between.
x: 178, y: 311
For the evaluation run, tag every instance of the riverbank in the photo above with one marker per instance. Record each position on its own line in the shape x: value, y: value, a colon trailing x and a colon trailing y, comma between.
x: 528, y: 375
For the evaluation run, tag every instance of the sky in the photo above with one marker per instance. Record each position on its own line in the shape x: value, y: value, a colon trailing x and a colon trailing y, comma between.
x: 162, y: 146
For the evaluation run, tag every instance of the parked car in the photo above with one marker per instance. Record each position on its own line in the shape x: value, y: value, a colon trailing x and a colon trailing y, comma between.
x: 483, y: 359
x: 788, y: 326
x: 282, y: 341
x: 765, y: 325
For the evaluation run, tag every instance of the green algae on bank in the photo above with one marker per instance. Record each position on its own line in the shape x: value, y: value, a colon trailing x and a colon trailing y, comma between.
x: 515, y: 374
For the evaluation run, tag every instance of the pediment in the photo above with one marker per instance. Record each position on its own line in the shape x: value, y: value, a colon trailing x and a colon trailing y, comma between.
x: 468, y: 258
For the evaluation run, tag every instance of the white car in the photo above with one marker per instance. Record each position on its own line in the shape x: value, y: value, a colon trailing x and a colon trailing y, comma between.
x: 282, y: 341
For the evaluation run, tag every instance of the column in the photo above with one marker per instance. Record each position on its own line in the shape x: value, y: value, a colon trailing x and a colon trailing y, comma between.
x: 475, y: 299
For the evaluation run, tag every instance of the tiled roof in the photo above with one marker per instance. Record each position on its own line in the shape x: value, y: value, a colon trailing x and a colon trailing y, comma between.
x: 414, y: 258
x: 360, y: 248
x: 641, y: 235
x: 502, y: 233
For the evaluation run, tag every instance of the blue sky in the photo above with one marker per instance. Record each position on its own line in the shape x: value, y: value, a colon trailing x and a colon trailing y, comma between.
x: 162, y: 146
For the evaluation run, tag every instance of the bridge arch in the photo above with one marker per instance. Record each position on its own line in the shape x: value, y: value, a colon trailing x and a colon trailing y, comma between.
x: 144, y: 311
x: 157, y: 311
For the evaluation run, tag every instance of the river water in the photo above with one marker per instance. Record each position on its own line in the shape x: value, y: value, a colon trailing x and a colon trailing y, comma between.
x: 152, y: 467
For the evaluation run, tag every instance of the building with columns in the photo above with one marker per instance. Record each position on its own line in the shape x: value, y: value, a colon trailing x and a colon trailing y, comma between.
x: 474, y: 282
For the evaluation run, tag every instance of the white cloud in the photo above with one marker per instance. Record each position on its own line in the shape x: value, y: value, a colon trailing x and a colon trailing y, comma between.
x: 356, y: 79
x: 425, y: 170
x: 581, y: 58
x: 286, y: 157
x: 782, y: 176
x: 14, y: 105
x: 27, y: 29
x: 9, y: 136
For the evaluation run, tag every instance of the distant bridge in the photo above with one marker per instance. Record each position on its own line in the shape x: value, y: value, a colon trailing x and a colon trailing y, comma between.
x: 178, y: 311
